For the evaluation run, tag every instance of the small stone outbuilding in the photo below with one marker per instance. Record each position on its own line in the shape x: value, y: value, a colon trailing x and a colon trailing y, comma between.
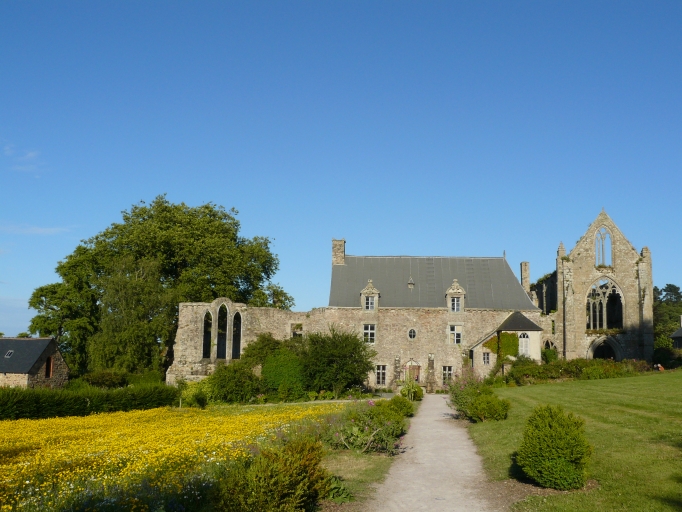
x: 32, y: 362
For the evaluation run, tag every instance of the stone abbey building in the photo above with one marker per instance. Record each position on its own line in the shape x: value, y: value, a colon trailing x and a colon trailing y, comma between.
x: 425, y: 316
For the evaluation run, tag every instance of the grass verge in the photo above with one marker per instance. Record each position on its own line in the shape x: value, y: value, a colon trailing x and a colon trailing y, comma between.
x: 634, y: 425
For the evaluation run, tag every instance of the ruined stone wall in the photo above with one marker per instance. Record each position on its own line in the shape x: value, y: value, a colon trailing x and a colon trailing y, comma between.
x: 13, y: 380
x: 630, y: 271
x: 60, y: 371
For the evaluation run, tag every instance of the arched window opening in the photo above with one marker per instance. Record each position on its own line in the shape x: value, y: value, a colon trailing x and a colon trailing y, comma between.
x: 602, y: 246
x: 604, y: 306
x: 524, y: 344
x: 237, y: 336
x: 208, y: 321
x: 222, y: 332
x: 549, y: 345
x: 48, y: 368
x: 604, y: 351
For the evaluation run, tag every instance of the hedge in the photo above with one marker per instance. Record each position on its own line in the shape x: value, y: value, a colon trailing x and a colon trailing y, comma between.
x: 529, y: 372
x: 21, y: 403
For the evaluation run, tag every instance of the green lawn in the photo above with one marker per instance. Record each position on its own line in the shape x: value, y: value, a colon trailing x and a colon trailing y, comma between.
x: 634, y: 425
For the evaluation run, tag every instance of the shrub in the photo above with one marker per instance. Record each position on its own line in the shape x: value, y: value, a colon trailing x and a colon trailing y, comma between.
x: 526, y: 371
x: 107, y: 379
x: 508, y: 344
x: 195, y: 394
x: 256, y: 352
x: 488, y: 407
x: 282, y: 371
x: 554, y: 451
x: 412, y: 391
x: 19, y: 403
x: 335, y: 361
x: 549, y: 355
x: 234, y: 382
x: 366, y: 428
x: 401, y: 405
x: 285, y: 478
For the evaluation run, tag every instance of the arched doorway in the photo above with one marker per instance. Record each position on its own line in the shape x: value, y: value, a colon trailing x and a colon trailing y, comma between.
x: 412, y: 371
x: 237, y: 336
x: 605, y: 348
x: 208, y: 322
x: 222, y: 332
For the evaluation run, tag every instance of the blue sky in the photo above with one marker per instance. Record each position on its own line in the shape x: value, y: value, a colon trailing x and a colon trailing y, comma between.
x: 418, y: 128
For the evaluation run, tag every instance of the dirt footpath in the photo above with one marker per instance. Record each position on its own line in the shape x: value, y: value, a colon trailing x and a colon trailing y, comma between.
x: 439, y: 470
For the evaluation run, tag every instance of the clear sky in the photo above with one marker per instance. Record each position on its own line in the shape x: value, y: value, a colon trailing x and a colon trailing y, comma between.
x: 407, y: 128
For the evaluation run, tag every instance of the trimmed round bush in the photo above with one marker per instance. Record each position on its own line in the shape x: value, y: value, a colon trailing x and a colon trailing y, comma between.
x: 554, y: 451
x: 401, y: 405
x: 488, y: 407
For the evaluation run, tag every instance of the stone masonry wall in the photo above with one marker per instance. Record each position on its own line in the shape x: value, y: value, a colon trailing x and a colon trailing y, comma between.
x: 60, y: 371
x: 393, y: 346
x: 13, y: 380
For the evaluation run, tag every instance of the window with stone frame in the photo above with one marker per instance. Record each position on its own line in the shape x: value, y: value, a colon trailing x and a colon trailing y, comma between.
x: 447, y: 374
x: 381, y: 374
x: 455, y: 303
x: 48, y: 368
x: 455, y: 334
x: 524, y: 344
x: 602, y: 248
x: 486, y: 358
x: 369, y: 333
x: 369, y: 302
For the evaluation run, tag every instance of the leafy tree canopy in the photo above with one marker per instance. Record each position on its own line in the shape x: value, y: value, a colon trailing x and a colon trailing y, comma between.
x: 116, y: 305
x: 667, y: 311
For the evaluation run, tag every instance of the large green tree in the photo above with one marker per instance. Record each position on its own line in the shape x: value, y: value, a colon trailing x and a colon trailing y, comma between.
x: 667, y: 311
x: 116, y: 305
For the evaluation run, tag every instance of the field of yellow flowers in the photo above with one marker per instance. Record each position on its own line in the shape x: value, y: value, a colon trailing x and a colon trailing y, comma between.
x: 52, y: 464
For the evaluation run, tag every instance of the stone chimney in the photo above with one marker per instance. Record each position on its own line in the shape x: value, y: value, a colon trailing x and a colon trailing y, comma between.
x: 525, y: 276
x: 338, y: 251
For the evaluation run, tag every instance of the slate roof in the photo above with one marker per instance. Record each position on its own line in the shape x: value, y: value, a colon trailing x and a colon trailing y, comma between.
x: 489, y: 282
x: 26, y: 353
x: 517, y: 321
x: 677, y: 333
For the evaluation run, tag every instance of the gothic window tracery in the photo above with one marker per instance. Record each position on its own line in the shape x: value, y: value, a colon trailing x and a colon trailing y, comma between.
x: 604, y: 306
x: 602, y: 248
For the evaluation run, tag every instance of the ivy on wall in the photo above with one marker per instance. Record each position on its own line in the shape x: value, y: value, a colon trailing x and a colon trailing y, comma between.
x: 509, y: 344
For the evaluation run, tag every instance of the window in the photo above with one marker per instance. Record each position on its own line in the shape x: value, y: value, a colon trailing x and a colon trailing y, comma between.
x: 604, y: 306
x: 447, y: 374
x: 369, y: 332
x: 381, y: 375
x: 524, y: 344
x: 369, y: 302
x: 48, y: 368
x: 455, y: 304
x: 206, y: 348
x: 412, y: 334
x: 9, y: 354
x: 455, y: 334
x: 486, y: 358
x: 602, y: 248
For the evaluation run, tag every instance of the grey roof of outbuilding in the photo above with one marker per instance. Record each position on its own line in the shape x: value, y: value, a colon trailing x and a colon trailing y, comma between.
x: 517, y: 321
x: 26, y: 353
x: 489, y: 283
x: 677, y: 333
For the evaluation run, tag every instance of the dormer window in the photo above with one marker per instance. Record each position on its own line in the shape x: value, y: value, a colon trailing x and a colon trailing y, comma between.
x: 454, y: 297
x: 369, y: 297
x: 455, y: 304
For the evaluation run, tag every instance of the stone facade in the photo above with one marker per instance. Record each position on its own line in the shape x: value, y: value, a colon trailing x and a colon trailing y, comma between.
x: 430, y: 344
x: 602, y: 261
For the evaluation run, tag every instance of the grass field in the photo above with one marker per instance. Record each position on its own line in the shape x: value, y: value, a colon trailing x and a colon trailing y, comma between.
x: 634, y: 425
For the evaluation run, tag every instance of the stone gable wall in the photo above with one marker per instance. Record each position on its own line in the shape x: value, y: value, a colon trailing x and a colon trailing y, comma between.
x: 60, y: 371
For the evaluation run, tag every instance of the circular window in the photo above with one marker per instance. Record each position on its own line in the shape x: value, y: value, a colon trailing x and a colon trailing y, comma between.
x: 412, y: 334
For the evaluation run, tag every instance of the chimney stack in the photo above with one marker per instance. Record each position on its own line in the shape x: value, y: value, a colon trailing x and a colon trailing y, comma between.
x: 338, y: 251
x: 525, y: 276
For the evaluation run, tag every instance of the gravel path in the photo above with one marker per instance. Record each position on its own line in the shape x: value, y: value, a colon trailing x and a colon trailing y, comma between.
x: 439, y: 470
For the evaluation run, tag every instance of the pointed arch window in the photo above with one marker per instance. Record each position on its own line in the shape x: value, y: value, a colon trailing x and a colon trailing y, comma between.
x: 602, y: 248
x: 208, y: 323
x: 604, y: 306
x: 222, y: 332
x: 237, y: 336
